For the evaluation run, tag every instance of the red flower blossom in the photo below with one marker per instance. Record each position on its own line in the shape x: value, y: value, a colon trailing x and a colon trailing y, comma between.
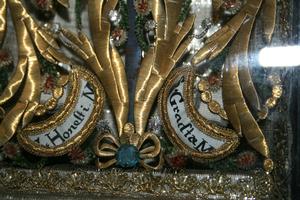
x: 119, y: 36
x: 4, y: 56
x: 177, y: 161
x: 246, y: 160
x: 11, y: 150
x: 48, y: 83
x: 42, y: 4
x: 214, y: 79
x: 77, y: 156
x: 142, y: 7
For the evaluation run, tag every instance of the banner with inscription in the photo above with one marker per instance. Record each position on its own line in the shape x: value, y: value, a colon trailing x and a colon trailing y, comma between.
x: 186, y: 127
x: 73, y: 123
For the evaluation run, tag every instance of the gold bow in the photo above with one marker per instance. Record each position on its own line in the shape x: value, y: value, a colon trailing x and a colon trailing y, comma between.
x: 105, y: 61
x: 107, y: 146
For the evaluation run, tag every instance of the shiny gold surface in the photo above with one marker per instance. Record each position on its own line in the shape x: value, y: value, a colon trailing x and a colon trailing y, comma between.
x: 234, y: 103
x: 23, y: 111
x: 158, y: 185
x: 206, y: 97
x: 3, y: 23
x: 106, y: 146
x: 65, y: 3
x: 207, y: 127
x: 112, y: 72
x: 160, y: 60
x: 60, y: 117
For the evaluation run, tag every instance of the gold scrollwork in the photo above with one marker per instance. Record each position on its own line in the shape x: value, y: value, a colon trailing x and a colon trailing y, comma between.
x: 59, y: 117
x: 210, y: 128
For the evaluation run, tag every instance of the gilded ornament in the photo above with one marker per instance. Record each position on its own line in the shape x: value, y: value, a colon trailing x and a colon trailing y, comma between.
x: 206, y: 97
x: 203, y: 86
x: 271, y: 102
x: 199, y: 126
x: 268, y: 165
x: 277, y: 91
x: 147, y: 184
x: 83, y: 105
x: 214, y: 106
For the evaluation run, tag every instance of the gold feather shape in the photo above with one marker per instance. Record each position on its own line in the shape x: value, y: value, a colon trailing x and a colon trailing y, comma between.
x: 234, y: 102
x: 112, y: 73
x: 219, y: 40
x: 160, y: 60
x: 269, y: 18
x: 28, y: 62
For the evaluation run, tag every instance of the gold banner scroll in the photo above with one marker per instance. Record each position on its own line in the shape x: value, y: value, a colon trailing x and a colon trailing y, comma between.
x: 72, y: 123
x: 204, y: 140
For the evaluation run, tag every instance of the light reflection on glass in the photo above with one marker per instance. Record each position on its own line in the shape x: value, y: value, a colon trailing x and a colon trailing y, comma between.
x: 283, y: 56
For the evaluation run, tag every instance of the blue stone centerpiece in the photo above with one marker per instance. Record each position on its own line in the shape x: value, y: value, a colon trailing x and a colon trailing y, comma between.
x: 128, y: 156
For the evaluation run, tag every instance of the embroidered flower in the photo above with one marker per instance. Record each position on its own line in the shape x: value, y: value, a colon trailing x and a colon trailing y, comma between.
x: 79, y: 157
x: 11, y: 150
x: 215, y: 81
x: 42, y: 4
x: 177, y: 160
x: 48, y: 83
x: 119, y: 36
x: 5, y: 58
x: 142, y: 7
x: 246, y: 160
x: 231, y: 7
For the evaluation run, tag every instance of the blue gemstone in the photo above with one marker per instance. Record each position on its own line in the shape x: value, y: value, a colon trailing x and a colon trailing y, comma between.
x: 128, y: 156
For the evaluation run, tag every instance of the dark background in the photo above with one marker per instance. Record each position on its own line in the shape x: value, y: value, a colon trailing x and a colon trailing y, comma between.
x: 295, y: 108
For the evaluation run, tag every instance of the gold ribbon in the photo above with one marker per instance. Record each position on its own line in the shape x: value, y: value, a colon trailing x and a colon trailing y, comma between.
x: 106, y: 147
x: 65, y: 3
x: 160, y: 60
x: 28, y: 71
x: 236, y: 73
x: 3, y: 25
x: 107, y: 64
x: 111, y: 72
x: 27, y: 74
x: 234, y: 103
x: 269, y: 18
x: 156, y: 66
